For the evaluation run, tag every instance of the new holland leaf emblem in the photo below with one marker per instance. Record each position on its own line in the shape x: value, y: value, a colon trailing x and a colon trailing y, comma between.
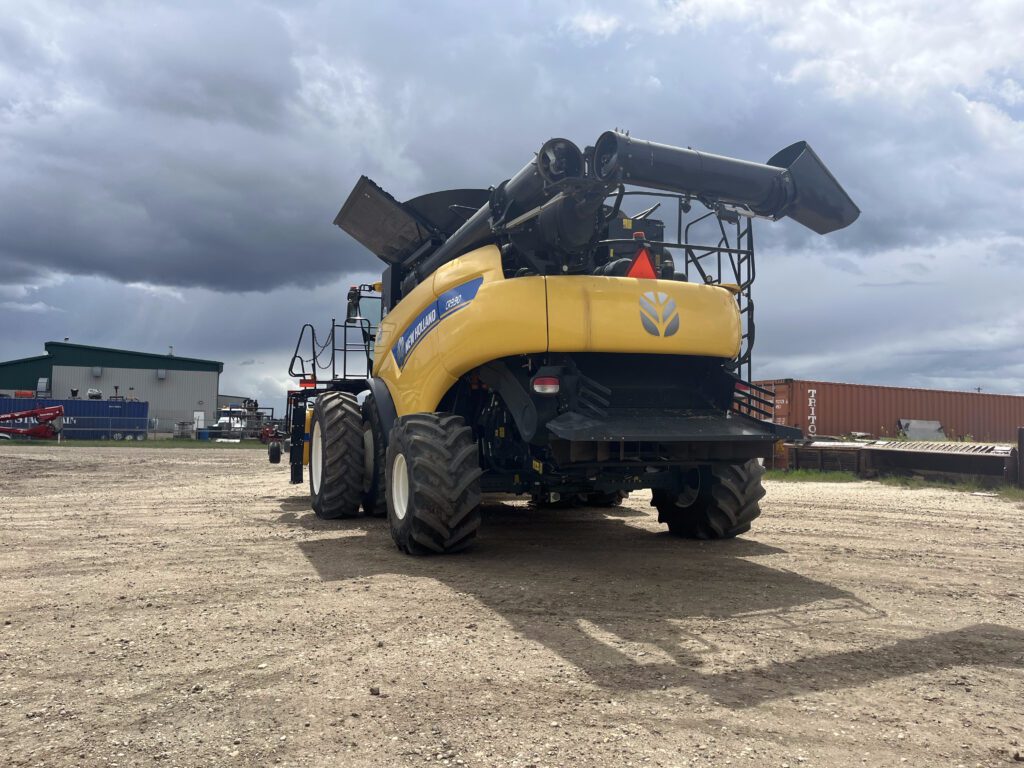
x: 658, y: 314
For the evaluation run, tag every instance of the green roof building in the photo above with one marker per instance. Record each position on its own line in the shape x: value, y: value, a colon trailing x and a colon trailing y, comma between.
x: 176, y: 388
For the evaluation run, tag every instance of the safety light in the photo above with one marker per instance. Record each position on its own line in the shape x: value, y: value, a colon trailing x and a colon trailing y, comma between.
x: 307, y: 383
x: 546, y: 385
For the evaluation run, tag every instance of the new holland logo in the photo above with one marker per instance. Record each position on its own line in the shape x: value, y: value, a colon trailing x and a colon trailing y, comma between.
x: 658, y: 313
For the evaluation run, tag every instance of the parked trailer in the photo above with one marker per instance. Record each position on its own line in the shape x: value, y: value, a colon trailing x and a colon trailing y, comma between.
x: 875, y: 457
x: 92, y: 419
x: 822, y: 408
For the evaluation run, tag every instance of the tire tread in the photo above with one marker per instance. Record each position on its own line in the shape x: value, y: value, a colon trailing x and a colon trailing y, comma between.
x: 724, y: 509
x: 444, y: 488
x: 341, y: 483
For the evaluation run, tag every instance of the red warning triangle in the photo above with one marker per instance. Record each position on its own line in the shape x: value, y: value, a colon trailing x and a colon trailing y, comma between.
x: 641, y: 266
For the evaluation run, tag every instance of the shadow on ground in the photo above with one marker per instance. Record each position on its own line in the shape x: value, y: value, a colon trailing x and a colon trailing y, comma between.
x: 596, y: 590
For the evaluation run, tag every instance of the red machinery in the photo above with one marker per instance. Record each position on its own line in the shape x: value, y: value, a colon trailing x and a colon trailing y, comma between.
x: 48, y: 422
x: 271, y: 432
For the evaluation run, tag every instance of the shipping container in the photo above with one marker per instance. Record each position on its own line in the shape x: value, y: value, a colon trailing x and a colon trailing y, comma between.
x: 91, y: 419
x: 823, y: 408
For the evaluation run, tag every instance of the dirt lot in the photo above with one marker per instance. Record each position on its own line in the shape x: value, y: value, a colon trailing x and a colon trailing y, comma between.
x: 183, y: 607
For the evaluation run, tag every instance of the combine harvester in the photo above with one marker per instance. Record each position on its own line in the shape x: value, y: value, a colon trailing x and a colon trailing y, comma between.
x: 46, y: 426
x: 536, y: 339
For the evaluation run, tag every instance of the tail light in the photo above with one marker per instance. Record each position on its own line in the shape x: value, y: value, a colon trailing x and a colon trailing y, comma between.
x: 307, y: 383
x: 546, y: 385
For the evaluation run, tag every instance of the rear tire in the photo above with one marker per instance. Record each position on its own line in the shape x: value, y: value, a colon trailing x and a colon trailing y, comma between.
x: 375, y: 458
x: 336, y: 456
x: 274, y: 452
x: 715, y: 502
x: 433, y: 484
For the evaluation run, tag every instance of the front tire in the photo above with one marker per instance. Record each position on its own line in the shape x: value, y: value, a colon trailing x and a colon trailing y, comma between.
x: 433, y: 484
x: 336, y: 456
x: 714, y: 502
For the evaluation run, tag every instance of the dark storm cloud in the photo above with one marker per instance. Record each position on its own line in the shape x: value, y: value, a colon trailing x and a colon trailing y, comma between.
x: 207, y: 147
x: 214, y: 64
x: 210, y: 145
x: 179, y: 147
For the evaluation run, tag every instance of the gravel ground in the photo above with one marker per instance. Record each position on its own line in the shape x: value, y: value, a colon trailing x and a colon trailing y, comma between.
x: 183, y: 607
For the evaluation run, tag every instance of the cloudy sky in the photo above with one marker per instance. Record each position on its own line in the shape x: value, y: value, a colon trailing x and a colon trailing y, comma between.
x: 169, y: 173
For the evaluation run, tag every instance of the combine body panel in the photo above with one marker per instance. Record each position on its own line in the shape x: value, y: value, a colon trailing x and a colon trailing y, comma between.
x: 607, y: 314
x: 421, y: 356
x: 533, y: 338
x: 420, y: 352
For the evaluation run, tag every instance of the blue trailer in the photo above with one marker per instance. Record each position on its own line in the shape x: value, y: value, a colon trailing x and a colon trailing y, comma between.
x: 92, y: 419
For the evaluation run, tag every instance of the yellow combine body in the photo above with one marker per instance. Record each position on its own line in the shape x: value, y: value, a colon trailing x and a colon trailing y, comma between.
x: 499, y: 317
x: 533, y: 338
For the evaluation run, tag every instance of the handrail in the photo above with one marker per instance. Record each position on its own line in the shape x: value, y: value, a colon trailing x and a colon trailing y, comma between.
x: 311, y: 367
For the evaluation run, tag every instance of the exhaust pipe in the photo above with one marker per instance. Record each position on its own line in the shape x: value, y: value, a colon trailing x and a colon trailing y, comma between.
x: 793, y: 183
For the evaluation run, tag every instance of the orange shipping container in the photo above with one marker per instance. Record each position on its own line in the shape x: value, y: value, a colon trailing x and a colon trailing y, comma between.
x: 822, y: 408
